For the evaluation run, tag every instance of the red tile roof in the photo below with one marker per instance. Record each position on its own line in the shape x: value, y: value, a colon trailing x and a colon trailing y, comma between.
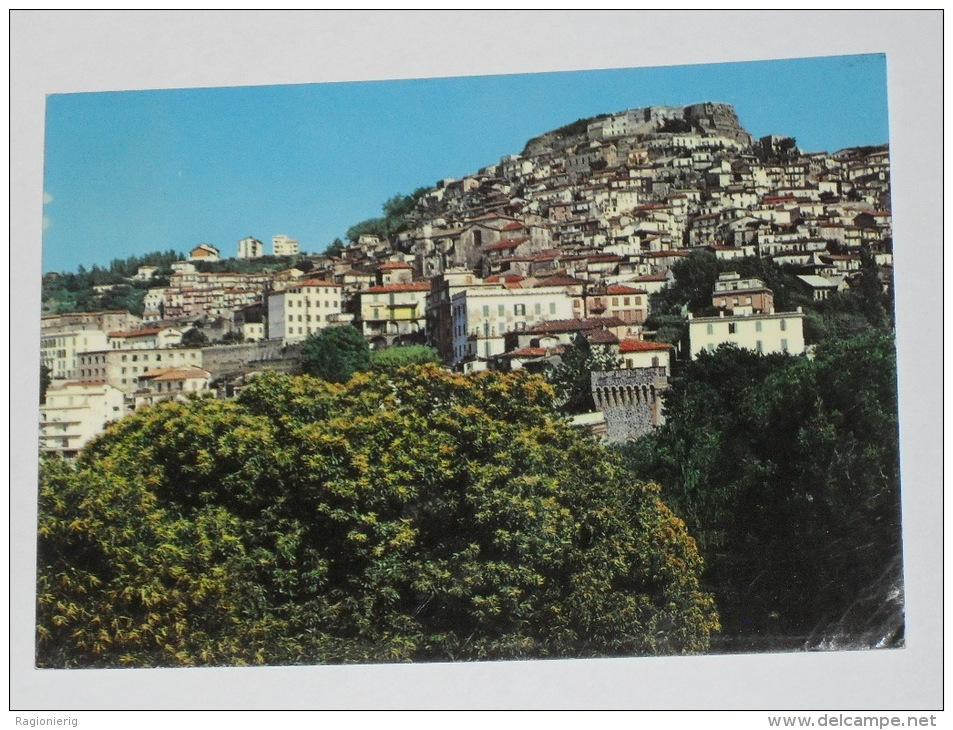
x: 506, y: 243
x: 508, y: 278
x: 559, y: 280
x: 138, y: 333
x: 619, y: 289
x: 575, y: 325
x: 643, y: 346
x: 651, y: 277
x: 314, y: 282
x: 389, y: 288
x: 167, y: 374
x: 528, y: 352
x: 602, y: 337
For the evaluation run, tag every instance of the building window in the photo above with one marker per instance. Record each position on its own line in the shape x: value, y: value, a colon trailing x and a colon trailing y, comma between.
x: 784, y: 345
x: 757, y: 326
x: 732, y: 328
x: 486, y: 310
x: 501, y: 309
x: 552, y: 307
x: 784, y: 325
x: 519, y: 310
x: 710, y: 329
x: 759, y: 347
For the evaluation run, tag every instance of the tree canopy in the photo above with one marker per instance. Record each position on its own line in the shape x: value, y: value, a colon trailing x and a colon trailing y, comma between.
x: 415, y: 515
x: 398, y: 213
x: 786, y: 470
x: 335, y: 353
x: 571, y: 378
x: 391, y: 358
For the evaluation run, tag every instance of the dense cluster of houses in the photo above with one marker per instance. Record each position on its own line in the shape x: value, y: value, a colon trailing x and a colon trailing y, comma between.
x: 503, y: 268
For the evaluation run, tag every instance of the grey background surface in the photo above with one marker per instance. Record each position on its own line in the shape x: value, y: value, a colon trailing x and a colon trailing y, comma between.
x: 60, y: 51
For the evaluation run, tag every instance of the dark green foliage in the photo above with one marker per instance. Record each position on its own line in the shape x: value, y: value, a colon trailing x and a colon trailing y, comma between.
x: 571, y: 378
x: 231, y: 338
x: 335, y: 353
x: 873, y: 300
x: 398, y: 213
x: 69, y: 292
x: 336, y: 248
x: 45, y: 379
x: 194, y: 337
x: 247, y: 266
x: 410, y: 516
x: 695, y: 278
x: 392, y: 358
x: 670, y: 328
x: 787, y: 473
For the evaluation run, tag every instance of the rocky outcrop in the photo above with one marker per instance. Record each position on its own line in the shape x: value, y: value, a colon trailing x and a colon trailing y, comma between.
x: 708, y: 119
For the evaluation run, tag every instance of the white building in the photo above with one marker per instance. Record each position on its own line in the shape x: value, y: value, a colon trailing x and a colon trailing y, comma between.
x: 152, y: 304
x: 481, y: 317
x: 763, y: 333
x: 76, y: 412
x: 302, y: 309
x: 281, y: 245
x: 204, y: 252
x: 64, y: 336
x: 250, y: 248
x: 149, y: 338
x: 643, y: 354
x: 123, y: 368
x: 145, y: 273
x: 59, y: 350
x: 170, y: 384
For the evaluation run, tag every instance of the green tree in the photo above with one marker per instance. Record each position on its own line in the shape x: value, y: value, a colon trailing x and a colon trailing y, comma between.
x: 871, y: 291
x: 335, y: 353
x: 786, y: 472
x: 415, y: 515
x: 398, y: 216
x: 392, y: 358
x: 571, y: 378
x: 45, y: 380
x: 335, y: 248
x: 232, y: 338
x: 194, y: 337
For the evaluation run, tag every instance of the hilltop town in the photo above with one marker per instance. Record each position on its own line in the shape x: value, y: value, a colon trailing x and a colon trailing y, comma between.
x: 577, y: 235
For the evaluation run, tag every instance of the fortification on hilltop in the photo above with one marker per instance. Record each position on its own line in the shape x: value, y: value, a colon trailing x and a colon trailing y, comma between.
x: 707, y: 119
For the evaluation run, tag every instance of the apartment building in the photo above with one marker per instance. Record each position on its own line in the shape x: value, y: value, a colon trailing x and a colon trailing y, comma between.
x: 303, y: 308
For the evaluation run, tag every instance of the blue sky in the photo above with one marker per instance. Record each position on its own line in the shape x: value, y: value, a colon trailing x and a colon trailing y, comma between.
x: 131, y: 172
